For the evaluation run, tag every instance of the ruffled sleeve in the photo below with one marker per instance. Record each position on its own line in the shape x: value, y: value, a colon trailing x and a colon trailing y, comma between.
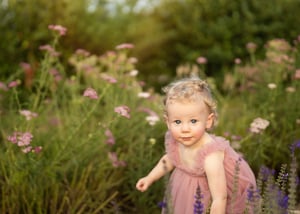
x: 218, y: 144
x: 171, y: 150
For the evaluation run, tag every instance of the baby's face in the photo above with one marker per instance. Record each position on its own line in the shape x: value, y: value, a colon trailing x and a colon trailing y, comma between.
x: 188, y: 120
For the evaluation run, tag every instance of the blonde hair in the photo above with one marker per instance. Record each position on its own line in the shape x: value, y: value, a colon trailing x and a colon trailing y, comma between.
x: 190, y: 89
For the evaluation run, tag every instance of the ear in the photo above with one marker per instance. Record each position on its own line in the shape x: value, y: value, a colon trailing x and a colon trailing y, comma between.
x: 166, y: 120
x: 210, y: 121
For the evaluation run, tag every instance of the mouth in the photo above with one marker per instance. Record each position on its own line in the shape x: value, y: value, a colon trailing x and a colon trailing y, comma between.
x: 186, y: 138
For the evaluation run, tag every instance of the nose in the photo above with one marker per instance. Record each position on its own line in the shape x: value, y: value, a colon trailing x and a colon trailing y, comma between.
x: 185, y: 127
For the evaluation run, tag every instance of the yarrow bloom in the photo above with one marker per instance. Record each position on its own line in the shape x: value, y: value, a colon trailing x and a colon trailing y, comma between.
x: 56, y: 75
x: 82, y: 52
x: 297, y: 74
x: 27, y: 149
x: 110, y: 140
x: 60, y: 29
x: 133, y: 73
x: 147, y: 110
x: 46, y: 48
x: 251, y: 47
x: 49, y: 49
x: 23, y: 140
x: 125, y: 46
x: 13, y: 84
x: 114, y: 160
x: 108, y: 78
x: 152, y: 120
x: 91, y: 93
x: 132, y: 60
x: 201, y: 60
x: 237, y: 61
x: 123, y: 111
x: 144, y: 94
x: 272, y: 86
x: 37, y: 149
x: 258, y: 125
x: 28, y: 114
x: 25, y: 66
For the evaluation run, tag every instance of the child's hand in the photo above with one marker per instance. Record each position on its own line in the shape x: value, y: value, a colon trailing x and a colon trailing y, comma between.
x: 143, y: 184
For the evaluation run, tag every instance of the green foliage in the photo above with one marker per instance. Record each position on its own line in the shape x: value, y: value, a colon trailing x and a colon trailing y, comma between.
x: 85, y: 155
x: 77, y: 146
x: 166, y: 33
x: 219, y: 30
x: 267, y: 89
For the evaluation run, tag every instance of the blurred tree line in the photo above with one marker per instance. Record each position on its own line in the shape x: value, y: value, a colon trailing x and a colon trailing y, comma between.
x: 165, y: 33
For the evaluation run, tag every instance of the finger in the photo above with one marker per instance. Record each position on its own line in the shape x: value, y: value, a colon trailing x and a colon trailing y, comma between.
x: 139, y: 186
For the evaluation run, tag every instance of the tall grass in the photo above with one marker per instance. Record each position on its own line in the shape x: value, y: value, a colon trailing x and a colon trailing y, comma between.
x: 69, y: 136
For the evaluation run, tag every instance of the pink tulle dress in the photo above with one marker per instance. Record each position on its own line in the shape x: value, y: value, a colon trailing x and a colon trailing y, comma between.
x: 184, y: 181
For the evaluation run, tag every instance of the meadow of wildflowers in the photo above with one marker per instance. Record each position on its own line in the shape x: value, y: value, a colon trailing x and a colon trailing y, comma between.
x: 68, y: 136
x: 75, y: 138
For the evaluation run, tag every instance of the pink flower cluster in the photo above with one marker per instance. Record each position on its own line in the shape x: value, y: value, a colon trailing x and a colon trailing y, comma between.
x: 123, y: 111
x: 50, y: 50
x: 55, y: 74
x: 115, y: 161
x: 60, y: 29
x: 82, y: 52
x: 14, y: 84
x: 108, y: 78
x: 251, y: 47
x: 201, y: 60
x: 152, y: 117
x: 28, y: 114
x: 90, y: 93
x: 110, y: 140
x: 11, y: 84
x: 23, y: 140
x: 297, y: 74
x: 144, y: 95
x: 237, y: 61
x: 258, y: 125
x: 125, y: 46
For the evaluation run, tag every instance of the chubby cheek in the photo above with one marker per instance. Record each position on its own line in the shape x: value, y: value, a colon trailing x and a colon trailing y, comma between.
x: 174, y: 131
x: 199, y: 133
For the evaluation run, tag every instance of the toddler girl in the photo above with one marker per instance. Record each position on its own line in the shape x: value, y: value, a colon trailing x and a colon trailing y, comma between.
x: 199, y: 160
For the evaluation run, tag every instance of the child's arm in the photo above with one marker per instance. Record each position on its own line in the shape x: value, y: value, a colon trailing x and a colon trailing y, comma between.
x: 162, y: 167
x: 215, y: 172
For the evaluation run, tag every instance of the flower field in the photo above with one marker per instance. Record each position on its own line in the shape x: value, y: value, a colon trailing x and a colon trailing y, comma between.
x: 75, y: 138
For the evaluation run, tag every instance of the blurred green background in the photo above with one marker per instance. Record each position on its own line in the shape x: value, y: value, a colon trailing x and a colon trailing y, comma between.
x: 166, y: 33
x: 74, y: 173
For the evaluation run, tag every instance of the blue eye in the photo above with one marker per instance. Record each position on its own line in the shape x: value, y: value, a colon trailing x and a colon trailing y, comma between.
x: 177, y: 122
x: 193, y: 121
